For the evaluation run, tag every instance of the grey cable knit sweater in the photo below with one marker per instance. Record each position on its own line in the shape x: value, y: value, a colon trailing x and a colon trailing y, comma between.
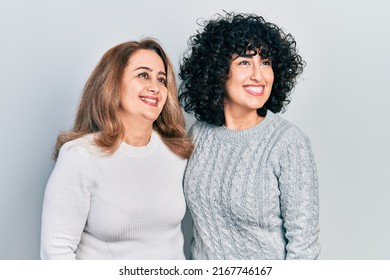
x: 253, y: 194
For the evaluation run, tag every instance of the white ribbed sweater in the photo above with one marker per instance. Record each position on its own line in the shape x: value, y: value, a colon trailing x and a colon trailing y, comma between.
x: 125, y: 206
x: 253, y: 194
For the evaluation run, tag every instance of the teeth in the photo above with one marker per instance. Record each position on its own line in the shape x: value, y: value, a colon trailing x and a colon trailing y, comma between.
x: 149, y: 100
x: 255, y: 89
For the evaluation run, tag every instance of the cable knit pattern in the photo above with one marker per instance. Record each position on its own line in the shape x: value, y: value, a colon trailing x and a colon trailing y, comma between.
x: 253, y: 194
x: 125, y: 206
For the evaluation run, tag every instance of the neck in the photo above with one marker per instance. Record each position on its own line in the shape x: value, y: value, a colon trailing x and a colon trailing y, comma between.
x: 137, y: 134
x: 137, y: 138
x: 242, y: 121
x: 137, y: 131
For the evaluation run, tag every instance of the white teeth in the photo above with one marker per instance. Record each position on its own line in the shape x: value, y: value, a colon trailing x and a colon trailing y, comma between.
x: 149, y: 100
x: 255, y: 89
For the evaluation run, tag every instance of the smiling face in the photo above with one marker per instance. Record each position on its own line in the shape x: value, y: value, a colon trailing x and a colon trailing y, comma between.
x: 249, y: 85
x: 144, y: 90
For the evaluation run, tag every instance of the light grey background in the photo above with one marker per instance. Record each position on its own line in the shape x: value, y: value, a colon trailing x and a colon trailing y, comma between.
x: 48, y: 49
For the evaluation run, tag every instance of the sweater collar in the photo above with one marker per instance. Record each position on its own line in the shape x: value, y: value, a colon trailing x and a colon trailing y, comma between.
x: 226, y: 134
x: 140, y: 151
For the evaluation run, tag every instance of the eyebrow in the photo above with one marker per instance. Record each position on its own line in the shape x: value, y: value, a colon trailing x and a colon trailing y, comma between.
x: 150, y: 70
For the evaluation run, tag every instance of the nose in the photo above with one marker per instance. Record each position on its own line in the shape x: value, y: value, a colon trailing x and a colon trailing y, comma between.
x: 256, y: 72
x: 153, y: 87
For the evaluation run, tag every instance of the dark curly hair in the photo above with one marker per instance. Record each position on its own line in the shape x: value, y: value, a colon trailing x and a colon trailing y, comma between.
x: 204, y: 68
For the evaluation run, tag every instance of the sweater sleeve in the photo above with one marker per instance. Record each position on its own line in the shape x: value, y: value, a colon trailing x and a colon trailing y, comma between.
x: 298, y: 184
x: 66, y: 205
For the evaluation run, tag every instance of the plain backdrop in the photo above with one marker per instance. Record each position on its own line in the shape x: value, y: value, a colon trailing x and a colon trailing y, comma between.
x: 49, y: 48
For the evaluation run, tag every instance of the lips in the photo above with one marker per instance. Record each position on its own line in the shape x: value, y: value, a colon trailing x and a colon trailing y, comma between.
x: 254, y: 90
x: 149, y: 100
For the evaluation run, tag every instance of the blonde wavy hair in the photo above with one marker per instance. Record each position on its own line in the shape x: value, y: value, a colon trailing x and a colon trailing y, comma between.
x: 98, y: 110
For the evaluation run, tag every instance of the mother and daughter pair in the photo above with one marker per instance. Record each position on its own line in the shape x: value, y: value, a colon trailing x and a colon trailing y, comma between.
x: 250, y: 181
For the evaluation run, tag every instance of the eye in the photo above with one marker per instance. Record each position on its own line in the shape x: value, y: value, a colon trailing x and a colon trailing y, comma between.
x: 244, y: 62
x: 143, y: 75
x: 266, y: 62
x: 162, y: 80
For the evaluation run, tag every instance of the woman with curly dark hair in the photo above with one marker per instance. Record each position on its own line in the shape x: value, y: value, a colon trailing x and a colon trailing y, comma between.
x: 251, y: 183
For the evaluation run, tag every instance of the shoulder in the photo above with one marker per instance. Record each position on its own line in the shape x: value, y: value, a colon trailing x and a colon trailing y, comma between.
x: 199, y: 128
x: 196, y: 126
x: 79, y: 148
x: 284, y: 131
x: 160, y: 150
x: 74, y: 160
x: 290, y: 146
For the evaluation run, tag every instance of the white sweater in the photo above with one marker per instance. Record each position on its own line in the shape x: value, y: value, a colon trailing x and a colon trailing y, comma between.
x: 125, y: 206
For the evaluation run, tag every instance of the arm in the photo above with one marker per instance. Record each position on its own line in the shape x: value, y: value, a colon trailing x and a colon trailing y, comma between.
x: 66, y: 205
x: 298, y: 184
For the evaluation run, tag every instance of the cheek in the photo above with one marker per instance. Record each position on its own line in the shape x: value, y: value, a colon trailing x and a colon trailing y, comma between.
x: 270, y: 76
x: 231, y: 84
x: 164, y: 95
x: 238, y: 77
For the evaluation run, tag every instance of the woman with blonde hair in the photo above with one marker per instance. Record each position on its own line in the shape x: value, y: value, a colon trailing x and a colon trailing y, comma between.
x: 116, y: 189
